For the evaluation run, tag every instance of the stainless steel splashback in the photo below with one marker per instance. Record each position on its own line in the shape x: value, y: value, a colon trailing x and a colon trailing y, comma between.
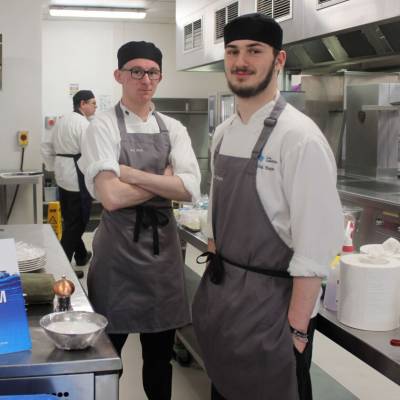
x: 326, y: 103
x: 192, y: 113
x: 373, y: 127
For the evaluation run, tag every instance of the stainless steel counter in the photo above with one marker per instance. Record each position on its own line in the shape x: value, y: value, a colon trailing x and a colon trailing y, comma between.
x: 80, y: 375
x: 371, y: 347
x: 380, y: 202
x: 385, y: 192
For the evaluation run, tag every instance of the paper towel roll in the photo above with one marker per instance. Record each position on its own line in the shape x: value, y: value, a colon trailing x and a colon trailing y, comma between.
x: 369, y: 292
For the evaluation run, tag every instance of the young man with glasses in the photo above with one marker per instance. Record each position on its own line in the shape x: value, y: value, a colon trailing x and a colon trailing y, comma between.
x: 61, y: 153
x: 136, y: 161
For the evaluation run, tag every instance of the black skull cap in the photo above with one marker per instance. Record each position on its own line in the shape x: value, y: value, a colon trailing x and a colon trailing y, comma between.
x: 131, y: 50
x: 255, y: 26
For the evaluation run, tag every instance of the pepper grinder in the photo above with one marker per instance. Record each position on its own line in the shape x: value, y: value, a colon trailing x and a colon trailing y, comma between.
x: 63, y: 289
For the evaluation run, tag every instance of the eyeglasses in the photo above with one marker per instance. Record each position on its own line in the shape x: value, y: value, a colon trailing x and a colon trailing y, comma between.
x: 138, y: 73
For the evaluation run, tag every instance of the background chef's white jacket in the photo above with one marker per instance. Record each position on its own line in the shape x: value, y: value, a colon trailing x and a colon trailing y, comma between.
x: 64, y: 138
x: 101, y: 147
x: 296, y: 182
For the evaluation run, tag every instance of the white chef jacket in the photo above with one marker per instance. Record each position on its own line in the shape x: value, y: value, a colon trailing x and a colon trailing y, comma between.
x: 101, y: 147
x: 296, y: 183
x: 64, y: 138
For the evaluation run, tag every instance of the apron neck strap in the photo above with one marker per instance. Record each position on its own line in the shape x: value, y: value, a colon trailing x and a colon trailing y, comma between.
x: 160, y: 122
x: 269, y: 125
x: 120, y: 120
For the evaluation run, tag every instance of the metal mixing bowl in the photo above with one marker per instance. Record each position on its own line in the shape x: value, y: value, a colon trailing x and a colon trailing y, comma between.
x: 71, y: 319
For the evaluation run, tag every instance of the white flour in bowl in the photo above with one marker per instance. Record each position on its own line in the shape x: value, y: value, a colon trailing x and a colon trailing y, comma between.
x: 73, y: 327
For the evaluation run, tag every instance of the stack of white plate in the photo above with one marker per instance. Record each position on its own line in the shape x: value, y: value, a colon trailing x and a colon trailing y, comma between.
x: 30, y: 258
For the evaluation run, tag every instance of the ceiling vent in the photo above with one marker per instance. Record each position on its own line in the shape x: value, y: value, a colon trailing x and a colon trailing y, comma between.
x: 281, y: 10
x: 223, y: 16
x: 328, y: 3
x: 193, y: 35
x: 356, y: 44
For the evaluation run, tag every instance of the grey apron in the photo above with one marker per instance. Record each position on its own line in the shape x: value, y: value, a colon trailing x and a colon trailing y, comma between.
x: 240, y: 311
x: 136, y: 275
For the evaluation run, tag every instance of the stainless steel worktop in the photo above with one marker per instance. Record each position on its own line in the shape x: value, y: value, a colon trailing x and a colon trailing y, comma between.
x: 386, y: 192
x: 84, y: 374
x: 371, y: 347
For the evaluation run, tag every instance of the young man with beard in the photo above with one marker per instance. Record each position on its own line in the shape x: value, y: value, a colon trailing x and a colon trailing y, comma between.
x: 276, y: 225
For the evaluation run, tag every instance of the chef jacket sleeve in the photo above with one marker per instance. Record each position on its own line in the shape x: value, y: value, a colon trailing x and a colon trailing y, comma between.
x: 183, y: 159
x: 47, y: 150
x: 309, y: 182
x: 100, y: 151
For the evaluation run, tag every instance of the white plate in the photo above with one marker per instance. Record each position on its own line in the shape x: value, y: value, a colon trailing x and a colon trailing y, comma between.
x: 32, y: 262
x: 28, y: 252
x: 32, y: 266
x: 31, y: 269
x: 36, y: 265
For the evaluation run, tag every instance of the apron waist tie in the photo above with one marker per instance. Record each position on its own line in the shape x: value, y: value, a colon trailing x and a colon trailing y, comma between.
x: 216, y: 268
x: 77, y: 156
x: 147, y: 216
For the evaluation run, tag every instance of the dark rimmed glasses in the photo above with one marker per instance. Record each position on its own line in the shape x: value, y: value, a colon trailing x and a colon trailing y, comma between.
x: 154, y: 74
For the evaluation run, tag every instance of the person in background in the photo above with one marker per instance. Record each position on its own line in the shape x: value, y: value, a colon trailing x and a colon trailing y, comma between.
x: 136, y: 161
x: 277, y: 223
x: 61, y: 153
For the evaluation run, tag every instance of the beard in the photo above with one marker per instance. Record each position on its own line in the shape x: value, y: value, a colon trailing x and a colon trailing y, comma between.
x: 251, y: 91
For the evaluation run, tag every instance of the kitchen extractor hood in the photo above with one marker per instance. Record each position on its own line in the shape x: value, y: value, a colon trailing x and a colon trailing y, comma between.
x: 364, y: 48
x: 320, y: 36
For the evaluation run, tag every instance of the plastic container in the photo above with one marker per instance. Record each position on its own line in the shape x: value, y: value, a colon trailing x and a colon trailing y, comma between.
x: 331, y: 291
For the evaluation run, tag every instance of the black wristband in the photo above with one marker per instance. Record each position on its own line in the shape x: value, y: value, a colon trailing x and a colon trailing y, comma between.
x: 303, y: 337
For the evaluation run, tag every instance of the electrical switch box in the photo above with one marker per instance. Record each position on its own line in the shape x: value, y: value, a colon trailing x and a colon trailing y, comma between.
x: 23, y: 138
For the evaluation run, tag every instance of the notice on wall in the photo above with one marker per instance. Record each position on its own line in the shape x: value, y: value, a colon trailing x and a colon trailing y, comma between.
x: 14, y: 329
x: 73, y: 88
x: 104, y: 102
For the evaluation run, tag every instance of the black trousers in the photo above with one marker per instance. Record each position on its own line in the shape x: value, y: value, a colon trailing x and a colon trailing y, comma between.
x: 157, y: 351
x: 303, y: 365
x: 73, y: 225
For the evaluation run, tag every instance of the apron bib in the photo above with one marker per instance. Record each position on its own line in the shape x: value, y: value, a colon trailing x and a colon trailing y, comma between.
x: 136, y: 275
x: 240, y: 318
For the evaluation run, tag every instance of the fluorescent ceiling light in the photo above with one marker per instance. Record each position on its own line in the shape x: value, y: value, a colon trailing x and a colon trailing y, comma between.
x: 97, y: 12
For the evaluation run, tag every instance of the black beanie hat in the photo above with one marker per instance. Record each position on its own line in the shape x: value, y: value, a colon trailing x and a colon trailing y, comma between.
x: 82, y: 95
x: 132, y: 50
x: 255, y: 26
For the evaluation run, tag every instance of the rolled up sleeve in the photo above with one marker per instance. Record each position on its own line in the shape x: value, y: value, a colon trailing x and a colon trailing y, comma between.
x: 315, y: 210
x: 183, y: 160
x: 100, y: 152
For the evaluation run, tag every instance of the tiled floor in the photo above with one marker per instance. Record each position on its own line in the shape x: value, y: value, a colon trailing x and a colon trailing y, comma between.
x: 336, y: 374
